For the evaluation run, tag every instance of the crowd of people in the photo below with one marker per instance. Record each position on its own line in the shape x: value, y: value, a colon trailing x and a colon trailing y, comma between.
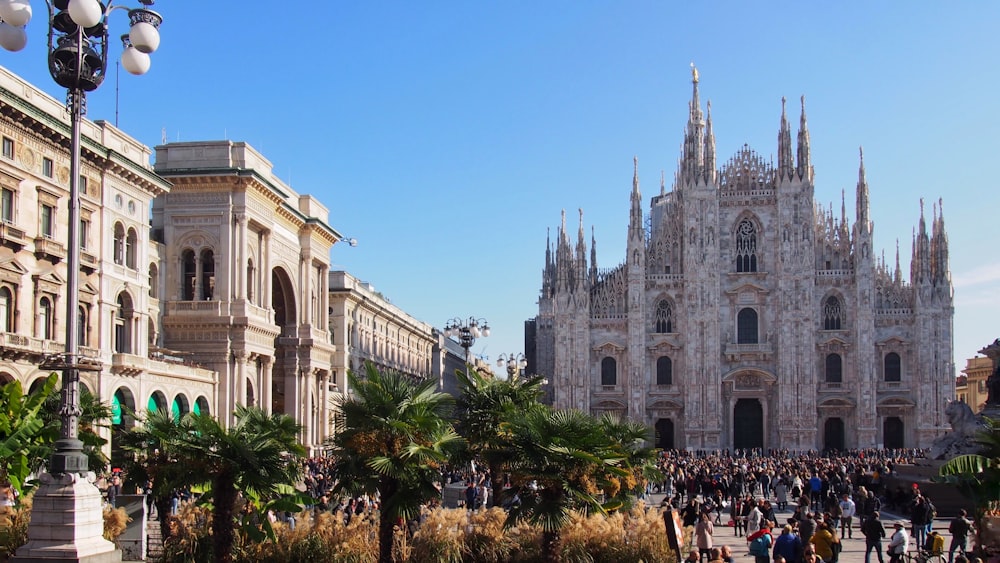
x: 789, y: 507
x: 832, y: 495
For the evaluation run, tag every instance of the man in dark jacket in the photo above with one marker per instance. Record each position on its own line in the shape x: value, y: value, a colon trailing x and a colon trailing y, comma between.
x: 873, y: 531
x: 788, y: 545
x: 959, y: 529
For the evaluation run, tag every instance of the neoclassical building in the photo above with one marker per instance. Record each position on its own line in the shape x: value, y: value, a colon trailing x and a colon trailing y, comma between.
x: 245, y: 280
x: 746, y: 315
x: 119, y: 300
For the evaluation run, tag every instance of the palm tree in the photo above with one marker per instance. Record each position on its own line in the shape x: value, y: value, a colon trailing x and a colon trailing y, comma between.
x: 485, y: 409
x: 566, y: 460
x: 93, y: 415
x: 393, y: 436
x: 153, y: 456
x: 257, y: 456
x: 978, y: 475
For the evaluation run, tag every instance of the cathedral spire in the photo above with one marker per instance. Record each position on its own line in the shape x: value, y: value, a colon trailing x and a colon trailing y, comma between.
x: 635, y: 213
x: 663, y: 183
x: 709, y: 145
x: 805, y: 160
x: 694, y: 157
x: 922, y: 249
x: 861, y: 198
x: 899, y: 270
x: 939, y: 245
x: 581, y: 256
x: 593, y: 257
x: 785, y: 164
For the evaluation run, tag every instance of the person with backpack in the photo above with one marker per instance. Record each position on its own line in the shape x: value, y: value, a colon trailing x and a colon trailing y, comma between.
x: 760, y: 543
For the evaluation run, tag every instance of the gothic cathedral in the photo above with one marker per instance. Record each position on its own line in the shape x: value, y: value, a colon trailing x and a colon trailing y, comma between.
x: 745, y: 316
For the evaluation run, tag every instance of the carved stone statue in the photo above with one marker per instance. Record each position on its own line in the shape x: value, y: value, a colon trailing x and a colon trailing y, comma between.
x: 965, y: 424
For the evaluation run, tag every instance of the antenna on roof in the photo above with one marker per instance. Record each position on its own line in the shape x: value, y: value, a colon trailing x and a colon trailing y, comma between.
x: 163, y: 135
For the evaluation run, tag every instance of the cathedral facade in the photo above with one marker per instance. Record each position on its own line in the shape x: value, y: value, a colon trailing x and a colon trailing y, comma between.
x: 746, y: 316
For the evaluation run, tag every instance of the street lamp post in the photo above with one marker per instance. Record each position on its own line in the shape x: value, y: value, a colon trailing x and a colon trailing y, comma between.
x: 67, y: 520
x: 515, y: 363
x: 467, y: 331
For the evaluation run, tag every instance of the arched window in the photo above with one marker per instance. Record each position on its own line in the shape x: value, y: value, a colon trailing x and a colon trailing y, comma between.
x: 893, y: 367
x: 834, y: 368
x: 119, y: 247
x: 188, y: 270
x: 154, y: 282
x: 746, y: 326
x: 664, y: 317
x: 664, y: 371
x: 832, y: 314
x: 131, y: 244
x: 609, y: 371
x: 47, y: 321
x: 207, y: 274
x: 123, y: 324
x: 6, y: 310
x: 746, y: 247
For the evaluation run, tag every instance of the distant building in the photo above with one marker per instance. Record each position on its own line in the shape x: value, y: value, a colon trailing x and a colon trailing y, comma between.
x: 971, y: 387
x: 747, y: 316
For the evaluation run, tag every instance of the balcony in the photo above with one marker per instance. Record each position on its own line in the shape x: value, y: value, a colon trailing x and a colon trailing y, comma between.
x: 48, y: 249
x: 88, y: 262
x: 128, y: 365
x: 20, y: 346
x: 892, y: 386
x: 759, y: 351
x: 194, y: 308
x: 12, y: 236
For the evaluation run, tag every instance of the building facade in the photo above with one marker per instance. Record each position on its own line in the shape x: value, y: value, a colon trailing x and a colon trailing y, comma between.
x: 746, y: 316
x: 245, y: 280
x: 118, y: 290
x: 971, y: 386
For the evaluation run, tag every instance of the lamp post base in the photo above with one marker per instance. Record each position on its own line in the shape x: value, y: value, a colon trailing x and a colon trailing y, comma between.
x: 67, y: 524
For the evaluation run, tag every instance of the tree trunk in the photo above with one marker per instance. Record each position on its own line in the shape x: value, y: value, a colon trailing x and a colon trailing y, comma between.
x: 385, y: 525
x: 550, y: 547
x: 223, y: 532
x: 163, y: 513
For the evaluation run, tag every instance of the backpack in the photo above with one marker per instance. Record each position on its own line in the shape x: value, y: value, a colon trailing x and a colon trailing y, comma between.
x: 760, y: 546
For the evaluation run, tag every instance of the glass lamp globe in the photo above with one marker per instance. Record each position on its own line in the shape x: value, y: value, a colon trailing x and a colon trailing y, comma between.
x: 144, y: 37
x: 86, y: 13
x: 135, y: 61
x: 12, y: 38
x: 15, y: 12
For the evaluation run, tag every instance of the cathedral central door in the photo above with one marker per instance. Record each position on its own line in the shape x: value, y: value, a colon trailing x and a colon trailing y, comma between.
x: 833, y: 434
x: 748, y: 424
x: 665, y: 434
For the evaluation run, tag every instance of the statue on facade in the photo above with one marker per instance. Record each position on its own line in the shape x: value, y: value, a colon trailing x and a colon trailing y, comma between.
x: 965, y: 425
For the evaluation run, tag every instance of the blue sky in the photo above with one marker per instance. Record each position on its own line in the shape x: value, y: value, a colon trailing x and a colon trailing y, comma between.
x: 446, y: 137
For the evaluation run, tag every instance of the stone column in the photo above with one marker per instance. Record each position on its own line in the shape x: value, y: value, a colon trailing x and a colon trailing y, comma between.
x: 240, y: 274
x: 266, y: 380
x: 241, y: 377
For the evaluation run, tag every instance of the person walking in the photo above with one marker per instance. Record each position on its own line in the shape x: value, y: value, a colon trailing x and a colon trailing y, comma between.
x: 703, y: 531
x: 899, y: 543
x: 918, y: 520
x: 760, y: 543
x: 959, y: 528
x: 847, y: 511
x: 823, y: 541
x: 874, y: 531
